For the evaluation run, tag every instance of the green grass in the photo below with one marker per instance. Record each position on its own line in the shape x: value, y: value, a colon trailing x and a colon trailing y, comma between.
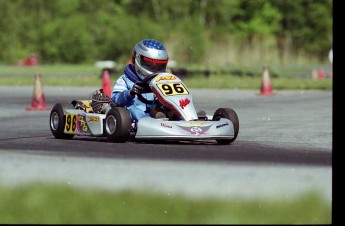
x: 89, y: 75
x: 244, y: 82
x: 72, y: 80
x: 58, y: 69
x: 54, y: 204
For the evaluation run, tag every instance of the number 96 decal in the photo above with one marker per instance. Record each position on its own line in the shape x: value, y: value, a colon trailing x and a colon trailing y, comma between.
x: 171, y: 89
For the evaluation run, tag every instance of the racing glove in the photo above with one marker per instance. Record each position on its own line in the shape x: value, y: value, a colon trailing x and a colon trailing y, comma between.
x: 136, y: 89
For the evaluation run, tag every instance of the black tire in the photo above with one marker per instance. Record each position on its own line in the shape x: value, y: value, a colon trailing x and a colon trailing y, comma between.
x: 57, y: 121
x: 232, y: 116
x: 118, y: 124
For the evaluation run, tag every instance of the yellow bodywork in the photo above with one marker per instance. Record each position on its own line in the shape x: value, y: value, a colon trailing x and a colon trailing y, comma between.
x: 83, y: 105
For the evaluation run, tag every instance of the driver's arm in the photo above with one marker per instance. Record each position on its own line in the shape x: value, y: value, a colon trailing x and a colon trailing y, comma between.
x: 121, y: 93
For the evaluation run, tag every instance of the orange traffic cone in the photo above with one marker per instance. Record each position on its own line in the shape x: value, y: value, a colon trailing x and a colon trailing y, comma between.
x: 321, y: 73
x: 38, y: 99
x: 106, y: 84
x: 266, y: 86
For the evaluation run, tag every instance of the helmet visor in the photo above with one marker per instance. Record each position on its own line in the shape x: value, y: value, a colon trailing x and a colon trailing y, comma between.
x: 153, y: 65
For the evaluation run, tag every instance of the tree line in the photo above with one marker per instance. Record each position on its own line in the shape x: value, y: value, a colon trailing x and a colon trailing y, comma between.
x: 82, y: 31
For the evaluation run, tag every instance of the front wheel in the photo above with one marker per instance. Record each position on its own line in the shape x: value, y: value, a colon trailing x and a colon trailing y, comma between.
x: 57, y: 122
x: 232, y: 116
x: 118, y: 124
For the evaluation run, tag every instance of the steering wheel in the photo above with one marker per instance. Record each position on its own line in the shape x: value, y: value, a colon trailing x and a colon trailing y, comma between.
x: 147, y: 88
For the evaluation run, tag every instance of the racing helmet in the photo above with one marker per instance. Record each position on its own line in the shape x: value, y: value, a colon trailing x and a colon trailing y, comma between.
x: 149, y: 56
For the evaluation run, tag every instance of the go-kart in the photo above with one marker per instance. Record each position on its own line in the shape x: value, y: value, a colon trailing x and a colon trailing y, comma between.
x: 98, y: 116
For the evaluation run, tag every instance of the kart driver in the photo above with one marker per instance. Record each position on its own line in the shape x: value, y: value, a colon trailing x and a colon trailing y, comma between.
x: 148, y: 56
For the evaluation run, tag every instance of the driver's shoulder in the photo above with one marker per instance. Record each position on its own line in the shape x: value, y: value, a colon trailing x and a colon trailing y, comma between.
x: 125, y: 80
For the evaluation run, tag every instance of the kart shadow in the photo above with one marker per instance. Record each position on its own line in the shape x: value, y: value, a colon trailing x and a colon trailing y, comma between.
x: 204, y: 150
x: 173, y: 142
x: 178, y: 142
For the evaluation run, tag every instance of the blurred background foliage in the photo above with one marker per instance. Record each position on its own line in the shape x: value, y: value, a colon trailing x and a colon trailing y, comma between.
x: 208, y: 32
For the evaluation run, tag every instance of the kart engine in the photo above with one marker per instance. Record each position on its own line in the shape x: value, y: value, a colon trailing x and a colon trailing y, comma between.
x: 100, y: 102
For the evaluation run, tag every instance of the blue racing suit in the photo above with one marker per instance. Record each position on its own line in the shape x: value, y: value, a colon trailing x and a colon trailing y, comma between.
x: 120, y: 95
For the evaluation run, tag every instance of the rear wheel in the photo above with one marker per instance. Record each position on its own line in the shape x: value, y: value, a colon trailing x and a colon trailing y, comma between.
x: 118, y: 124
x: 57, y: 122
x: 232, y: 116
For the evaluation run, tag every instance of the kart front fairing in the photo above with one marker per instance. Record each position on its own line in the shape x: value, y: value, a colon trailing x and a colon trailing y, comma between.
x: 150, y: 128
x: 174, y: 94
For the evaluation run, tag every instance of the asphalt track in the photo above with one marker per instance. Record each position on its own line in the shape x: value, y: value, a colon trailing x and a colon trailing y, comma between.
x: 284, y: 148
